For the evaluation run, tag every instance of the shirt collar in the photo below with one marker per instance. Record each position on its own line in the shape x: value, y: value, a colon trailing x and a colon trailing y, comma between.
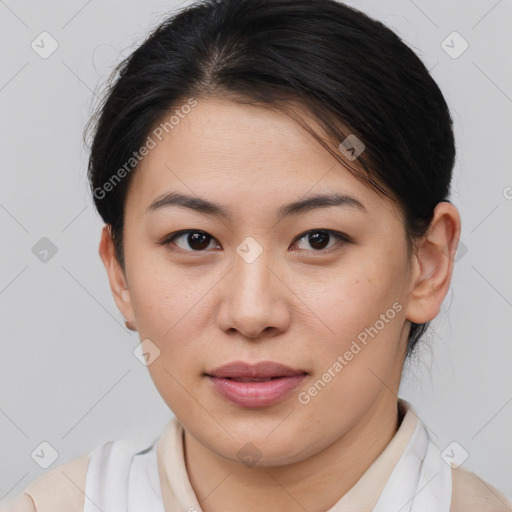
x: 363, y: 496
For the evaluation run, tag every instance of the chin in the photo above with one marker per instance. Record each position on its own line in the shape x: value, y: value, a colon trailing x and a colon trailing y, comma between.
x: 261, y: 449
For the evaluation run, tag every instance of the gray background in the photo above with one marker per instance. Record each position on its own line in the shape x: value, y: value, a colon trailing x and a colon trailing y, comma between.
x: 68, y: 375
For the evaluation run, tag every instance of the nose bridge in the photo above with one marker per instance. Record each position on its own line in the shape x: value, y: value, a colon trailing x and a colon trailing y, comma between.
x: 253, y: 298
x: 252, y: 272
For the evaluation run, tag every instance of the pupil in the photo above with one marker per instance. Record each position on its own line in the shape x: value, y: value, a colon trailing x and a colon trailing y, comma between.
x: 319, y: 240
x: 198, y: 240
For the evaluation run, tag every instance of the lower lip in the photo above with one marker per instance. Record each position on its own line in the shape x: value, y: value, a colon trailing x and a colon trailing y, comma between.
x: 256, y: 394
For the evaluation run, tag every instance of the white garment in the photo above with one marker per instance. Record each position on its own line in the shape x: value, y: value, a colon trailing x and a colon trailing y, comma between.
x: 124, y: 478
x: 421, y: 481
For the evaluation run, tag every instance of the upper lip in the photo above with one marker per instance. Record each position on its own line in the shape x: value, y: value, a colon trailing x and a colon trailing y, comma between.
x: 264, y: 369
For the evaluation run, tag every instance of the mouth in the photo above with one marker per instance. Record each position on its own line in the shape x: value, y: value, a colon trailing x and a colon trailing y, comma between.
x: 251, y: 379
x: 265, y: 370
x: 255, y: 385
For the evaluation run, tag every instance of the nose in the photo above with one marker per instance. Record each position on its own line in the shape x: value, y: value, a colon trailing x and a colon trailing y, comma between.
x: 255, y: 299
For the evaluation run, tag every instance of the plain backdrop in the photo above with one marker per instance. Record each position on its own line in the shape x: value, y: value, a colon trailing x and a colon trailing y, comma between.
x: 68, y: 375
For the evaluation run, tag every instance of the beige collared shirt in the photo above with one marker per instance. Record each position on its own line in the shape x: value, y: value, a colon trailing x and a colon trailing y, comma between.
x: 62, y: 489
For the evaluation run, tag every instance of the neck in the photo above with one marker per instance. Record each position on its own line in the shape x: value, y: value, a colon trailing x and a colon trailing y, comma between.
x: 314, y: 484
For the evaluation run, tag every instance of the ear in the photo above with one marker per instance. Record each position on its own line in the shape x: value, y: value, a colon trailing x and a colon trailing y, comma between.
x: 116, y: 275
x: 433, y: 264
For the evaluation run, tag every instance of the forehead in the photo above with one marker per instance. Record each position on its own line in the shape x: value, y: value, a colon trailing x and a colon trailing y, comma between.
x: 242, y: 154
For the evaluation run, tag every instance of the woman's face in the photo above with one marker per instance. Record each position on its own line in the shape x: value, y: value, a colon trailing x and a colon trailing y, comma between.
x: 253, y: 287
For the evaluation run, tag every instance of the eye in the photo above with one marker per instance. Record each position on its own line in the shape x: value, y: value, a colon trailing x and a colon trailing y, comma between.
x: 199, y: 241
x: 195, y: 239
x: 319, y: 239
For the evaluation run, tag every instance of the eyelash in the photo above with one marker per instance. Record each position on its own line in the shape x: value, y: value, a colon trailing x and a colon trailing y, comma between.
x: 344, y: 238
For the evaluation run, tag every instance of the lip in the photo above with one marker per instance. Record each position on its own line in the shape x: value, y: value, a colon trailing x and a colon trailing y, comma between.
x: 255, y: 385
x: 264, y: 369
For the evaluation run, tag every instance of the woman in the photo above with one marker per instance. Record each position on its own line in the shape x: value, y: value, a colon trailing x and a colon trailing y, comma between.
x: 274, y: 179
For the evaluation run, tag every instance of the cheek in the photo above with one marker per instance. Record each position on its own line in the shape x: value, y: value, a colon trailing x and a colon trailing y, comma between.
x: 359, y: 318
x: 343, y: 307
x: 357, y: 360
x: 174, y: 310
x: 171, y: 313
x: 167, y: 300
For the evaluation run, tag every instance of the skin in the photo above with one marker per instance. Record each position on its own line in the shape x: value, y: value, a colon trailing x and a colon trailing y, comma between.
x: 296, y: 304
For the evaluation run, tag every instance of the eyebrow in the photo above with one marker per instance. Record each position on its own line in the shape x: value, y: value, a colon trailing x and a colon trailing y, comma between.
x: 208, y: 208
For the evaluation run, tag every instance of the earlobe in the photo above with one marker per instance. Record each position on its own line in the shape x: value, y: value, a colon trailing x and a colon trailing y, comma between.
x: 115, y: 273
x: 434, y: 261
